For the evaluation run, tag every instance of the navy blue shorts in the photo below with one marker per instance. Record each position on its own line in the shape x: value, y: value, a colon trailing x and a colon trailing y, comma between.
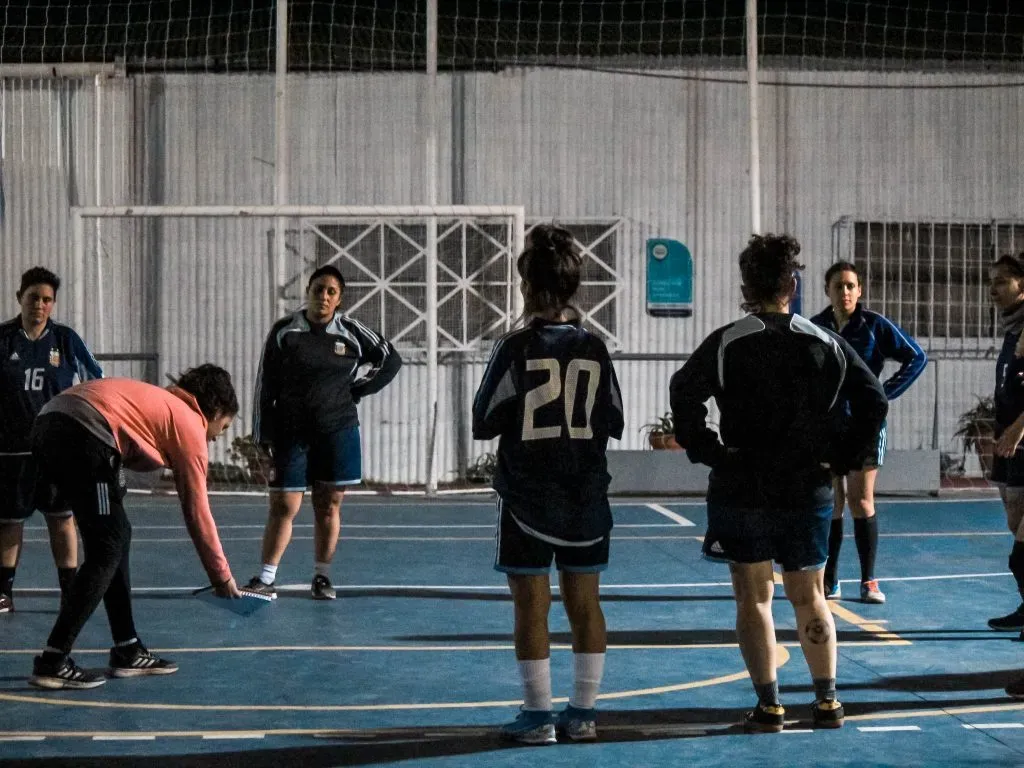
x: 333, y: 459
x: 528, y: 554
x: 795, y: 539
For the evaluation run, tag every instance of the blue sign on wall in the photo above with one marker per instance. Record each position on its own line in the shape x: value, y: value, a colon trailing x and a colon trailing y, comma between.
x: 669, y: 279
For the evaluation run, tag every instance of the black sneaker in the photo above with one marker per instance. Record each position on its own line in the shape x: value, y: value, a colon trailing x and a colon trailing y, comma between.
x: 1013, y: 620
x: 257, y: 586
x: 322, y: 589
x: 6, y: 604
x: 765, y: 718
x: 136, y: 661
x: 1015, y: 690
x: 63, y: 673
x: 828, y: 714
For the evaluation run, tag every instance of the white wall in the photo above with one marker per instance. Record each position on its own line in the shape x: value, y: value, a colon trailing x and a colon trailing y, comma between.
x: 668, y: 156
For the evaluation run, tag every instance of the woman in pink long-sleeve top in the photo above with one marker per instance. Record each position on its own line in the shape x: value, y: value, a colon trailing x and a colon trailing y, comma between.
x: 93, y: 432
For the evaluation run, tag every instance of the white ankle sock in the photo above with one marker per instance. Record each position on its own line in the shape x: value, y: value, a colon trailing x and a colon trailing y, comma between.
x: 268, y: 573
x: 536, y: 677
x: 589, y: 671
x: 322, y: 569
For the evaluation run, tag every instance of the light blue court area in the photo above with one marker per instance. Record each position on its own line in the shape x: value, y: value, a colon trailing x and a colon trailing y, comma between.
x: 413, y: 664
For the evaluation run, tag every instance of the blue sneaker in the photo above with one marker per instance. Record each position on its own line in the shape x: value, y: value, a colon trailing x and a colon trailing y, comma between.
x: 531, y: 727
x: 577, y: 724
x: 835, y: 592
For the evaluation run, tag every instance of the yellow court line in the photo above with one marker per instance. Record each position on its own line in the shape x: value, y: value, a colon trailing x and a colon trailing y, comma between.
x: 866, y: 624
x: 62, y: 702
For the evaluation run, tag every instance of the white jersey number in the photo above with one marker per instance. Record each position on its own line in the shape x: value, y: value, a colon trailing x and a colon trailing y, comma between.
x: 550, y: 390
x: 34, y: 380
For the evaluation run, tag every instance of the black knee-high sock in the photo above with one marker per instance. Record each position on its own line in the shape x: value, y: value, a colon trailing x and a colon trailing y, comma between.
x: 835, y: 542
x: 1017, y: 565
x: 865, y: 533
x: 6, y: 580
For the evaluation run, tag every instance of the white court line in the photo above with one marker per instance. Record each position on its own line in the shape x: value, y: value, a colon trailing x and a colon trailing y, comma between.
x: 679, y: 519
x: 885, y: 728
x: 991, y: 726
x: 385, y: 526
x: 124, y: 737
x: 235, y: 735
x: 503, y: 587
x: 22, y: 738
x: 178, y: 540
x: 798, y: 730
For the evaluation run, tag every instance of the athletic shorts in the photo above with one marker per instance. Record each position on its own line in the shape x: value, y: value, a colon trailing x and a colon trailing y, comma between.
x: 81, y: 468
x: 875, y: 460
x: 1009, y: 471
x: 23, y: 491
x: 795, y: 539
x: 521, y: 553
x: 334, y: 458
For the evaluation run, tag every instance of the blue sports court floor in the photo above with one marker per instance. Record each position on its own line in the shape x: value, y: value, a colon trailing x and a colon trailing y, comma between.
x: 413, y: 664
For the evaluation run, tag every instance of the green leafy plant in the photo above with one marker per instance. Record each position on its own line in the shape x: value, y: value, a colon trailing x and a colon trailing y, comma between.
x: 661, y: 432
x: 976, y: 430
x: 251, y: 457
x: 482, y: 470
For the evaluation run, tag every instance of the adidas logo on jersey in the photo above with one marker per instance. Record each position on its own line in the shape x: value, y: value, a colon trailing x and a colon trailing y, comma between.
x: 14, y: 356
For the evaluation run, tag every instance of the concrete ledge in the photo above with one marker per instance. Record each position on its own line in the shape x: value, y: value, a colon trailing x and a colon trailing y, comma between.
x: 670, y: 472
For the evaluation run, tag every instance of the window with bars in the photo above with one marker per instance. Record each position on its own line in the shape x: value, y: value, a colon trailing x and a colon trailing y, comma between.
x: 600, y: 285
x: 929, y: 277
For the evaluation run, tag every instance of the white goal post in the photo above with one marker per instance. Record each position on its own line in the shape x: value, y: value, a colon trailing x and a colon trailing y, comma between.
x: 196, y: 283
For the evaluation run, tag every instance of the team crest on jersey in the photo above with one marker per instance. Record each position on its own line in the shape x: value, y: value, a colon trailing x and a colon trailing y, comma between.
x: 340, y: 348
x: 55, y: 357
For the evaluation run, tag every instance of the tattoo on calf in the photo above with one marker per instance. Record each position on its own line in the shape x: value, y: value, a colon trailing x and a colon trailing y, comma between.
x: 817, y: 631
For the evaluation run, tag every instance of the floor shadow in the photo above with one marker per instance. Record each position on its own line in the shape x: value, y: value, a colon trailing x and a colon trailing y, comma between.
x: 940, y: 682
x: 395, y: 745
x: 629, y: 637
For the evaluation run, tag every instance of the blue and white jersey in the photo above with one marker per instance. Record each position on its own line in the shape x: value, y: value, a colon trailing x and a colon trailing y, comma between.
x: 34, y: 372
x: 780, y: 383
x: 876, y: 339
x: 308, y: 381
x: 550, y: 392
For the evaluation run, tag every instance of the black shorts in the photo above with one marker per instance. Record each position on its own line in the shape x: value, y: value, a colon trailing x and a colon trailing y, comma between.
x: 1009, y: 471
x: 86, y: 472
x: 521, y: 553
x: 795, y: 539
x: 23, y: 491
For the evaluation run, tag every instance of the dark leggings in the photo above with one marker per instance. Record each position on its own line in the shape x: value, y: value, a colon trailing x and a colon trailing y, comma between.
x: 89, y: 479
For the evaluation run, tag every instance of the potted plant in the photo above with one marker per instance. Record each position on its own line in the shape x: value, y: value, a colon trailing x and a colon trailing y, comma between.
x: 244, y: 451
x: 976, y: 430
x: 661, y: 433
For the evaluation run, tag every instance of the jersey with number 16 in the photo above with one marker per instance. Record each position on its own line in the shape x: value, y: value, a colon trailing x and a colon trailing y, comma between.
x: 32, y: 372
x: 550, y: 393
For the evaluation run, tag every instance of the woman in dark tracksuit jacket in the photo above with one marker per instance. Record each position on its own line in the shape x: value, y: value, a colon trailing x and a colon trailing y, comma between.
x: 876, y: 339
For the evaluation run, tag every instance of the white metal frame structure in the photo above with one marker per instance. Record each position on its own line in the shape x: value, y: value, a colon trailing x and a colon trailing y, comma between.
x: 448, y: 284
